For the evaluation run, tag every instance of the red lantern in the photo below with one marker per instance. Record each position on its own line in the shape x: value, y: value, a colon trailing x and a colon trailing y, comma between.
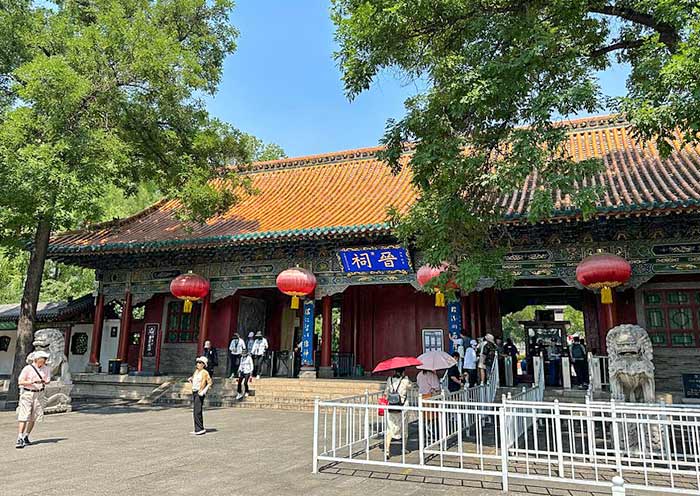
x: 603, y: 271
x: 426, y: 273
x: 296, y: 282
x: 189, y: 287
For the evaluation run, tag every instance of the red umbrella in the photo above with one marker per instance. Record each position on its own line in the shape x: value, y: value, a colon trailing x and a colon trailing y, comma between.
x: 397, y: 363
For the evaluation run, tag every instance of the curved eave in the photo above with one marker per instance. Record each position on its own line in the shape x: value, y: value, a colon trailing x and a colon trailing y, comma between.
x: 217, y: 241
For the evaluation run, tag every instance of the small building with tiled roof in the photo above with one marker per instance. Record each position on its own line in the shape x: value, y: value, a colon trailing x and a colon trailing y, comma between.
x: 318, y: 212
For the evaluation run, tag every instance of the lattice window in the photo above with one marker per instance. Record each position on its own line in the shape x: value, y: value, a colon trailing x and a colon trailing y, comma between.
x: 182, y: 327
x: 673, y: 316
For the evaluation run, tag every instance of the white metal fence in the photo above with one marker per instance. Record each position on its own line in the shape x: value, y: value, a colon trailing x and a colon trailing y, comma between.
x: 653, y: 447
x: 598, y: 375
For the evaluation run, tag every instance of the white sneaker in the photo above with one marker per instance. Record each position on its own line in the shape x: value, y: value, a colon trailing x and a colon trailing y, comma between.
x: 246, y: 395
x: 257, y: 377
x: 199, y: 433
x: 194, y: 433
x: 239, y: 396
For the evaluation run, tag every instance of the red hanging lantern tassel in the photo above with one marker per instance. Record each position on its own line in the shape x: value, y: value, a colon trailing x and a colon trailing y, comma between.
x: 189, y: 287
x: 296, y: 282
x: 603, y: 271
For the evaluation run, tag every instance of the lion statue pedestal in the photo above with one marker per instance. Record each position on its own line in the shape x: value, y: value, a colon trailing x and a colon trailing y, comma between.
x: 58, y: 391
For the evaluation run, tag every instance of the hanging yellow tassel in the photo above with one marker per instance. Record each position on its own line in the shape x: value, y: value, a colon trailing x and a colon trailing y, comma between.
x: 439, y: 299
x: 187, y: 307
x: 606, y: 295
x: 295, y: 302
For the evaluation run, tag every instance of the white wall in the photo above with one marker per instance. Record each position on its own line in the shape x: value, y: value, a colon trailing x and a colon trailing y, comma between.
x: 7, y: 357
x: 78, y: 363
x: 110, y: 345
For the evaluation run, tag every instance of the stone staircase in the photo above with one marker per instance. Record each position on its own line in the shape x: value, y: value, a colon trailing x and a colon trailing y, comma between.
x: 272, y: 393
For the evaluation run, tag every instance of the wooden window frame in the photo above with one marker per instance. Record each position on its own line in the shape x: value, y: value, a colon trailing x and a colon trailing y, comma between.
x: 693, y: 305
x: 181, y: 334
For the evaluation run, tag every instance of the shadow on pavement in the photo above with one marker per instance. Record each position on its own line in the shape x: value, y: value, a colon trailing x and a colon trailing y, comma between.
x: 52, y: 440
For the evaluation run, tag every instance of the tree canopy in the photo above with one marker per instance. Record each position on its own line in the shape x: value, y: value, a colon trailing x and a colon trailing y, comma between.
x: 498, y: 73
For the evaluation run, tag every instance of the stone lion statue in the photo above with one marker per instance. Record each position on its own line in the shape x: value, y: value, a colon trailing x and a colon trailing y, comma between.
x: 57, y: 392
x: 631, y: 364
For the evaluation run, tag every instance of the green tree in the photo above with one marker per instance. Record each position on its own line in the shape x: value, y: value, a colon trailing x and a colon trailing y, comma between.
x: 101, y: 94
x: 497, y: 73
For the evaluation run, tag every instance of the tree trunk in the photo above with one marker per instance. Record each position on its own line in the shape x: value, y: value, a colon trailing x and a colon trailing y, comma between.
x: 30, y: 299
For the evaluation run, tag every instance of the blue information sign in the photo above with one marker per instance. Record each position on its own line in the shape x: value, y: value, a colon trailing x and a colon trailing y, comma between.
x: 307, y: 335
x: 454, y: 321
x: 382, y: 259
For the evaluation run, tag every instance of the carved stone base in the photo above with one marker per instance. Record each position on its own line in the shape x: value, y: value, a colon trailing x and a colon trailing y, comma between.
x: 307, y: 373
x: 325, y: 372
x: 58, y: 397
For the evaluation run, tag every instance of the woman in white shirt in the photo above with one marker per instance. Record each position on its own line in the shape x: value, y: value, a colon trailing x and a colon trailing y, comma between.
x: 396, y: 393
x: 201, y: 382
x: 244, y: 371
x: 470, y: 362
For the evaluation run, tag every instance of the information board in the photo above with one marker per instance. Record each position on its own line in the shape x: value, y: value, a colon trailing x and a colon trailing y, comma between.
x: 433, y: 340
x: 150, y: 345
x: 307, y: 334
x: 691, y: 385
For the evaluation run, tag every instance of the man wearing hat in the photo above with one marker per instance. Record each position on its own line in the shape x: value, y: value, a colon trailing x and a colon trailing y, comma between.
x: 235, y: 350
x: 258, y: 351
x: 486, y: 357
x: 30, y: 409
x: 201, y: 382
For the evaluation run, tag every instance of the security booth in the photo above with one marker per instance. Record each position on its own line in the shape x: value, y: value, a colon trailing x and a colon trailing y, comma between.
x: 547, y: 336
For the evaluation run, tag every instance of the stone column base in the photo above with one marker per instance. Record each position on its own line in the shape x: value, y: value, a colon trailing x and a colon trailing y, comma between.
x: 307, y: 373
x: 92, y: 368
x: 325, y: 372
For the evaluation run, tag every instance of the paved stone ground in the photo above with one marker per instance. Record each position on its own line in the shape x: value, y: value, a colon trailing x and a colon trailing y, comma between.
x: 129, y: 450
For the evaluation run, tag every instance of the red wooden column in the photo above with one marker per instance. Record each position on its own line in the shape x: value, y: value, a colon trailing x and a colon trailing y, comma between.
x: 125, y: 326
x: 97, y: 330
x: 66, y: 347
x: 204, y: 324
x: 608, y: 320
x: 326, y: 338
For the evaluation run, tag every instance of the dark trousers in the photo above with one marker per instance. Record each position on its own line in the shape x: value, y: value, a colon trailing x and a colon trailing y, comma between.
x: 473, y: 377
x: 580, y: 367
x: 257, y: 360
x: 197, y: 403
x: 243, y: 381
x: 234, y: 362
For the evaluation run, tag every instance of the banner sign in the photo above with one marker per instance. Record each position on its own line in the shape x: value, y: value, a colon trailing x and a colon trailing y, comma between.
x: 307, y: 335
x: 151, y: 340
x: 389, y: 259
x: 454, y: 321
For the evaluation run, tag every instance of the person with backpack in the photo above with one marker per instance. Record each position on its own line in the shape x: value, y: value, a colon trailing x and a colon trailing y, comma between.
x: 30, y: 409
x: 578, y: 354
x: 396, y: 392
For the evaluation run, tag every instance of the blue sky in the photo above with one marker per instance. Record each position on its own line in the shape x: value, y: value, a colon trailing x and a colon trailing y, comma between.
x: 283, y: 85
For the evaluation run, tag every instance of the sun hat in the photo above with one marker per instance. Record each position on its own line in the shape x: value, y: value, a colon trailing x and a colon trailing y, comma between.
x: 258, y: 334
x: 40, y: 354
x: 203, y: 359
x: 473, y: 342
x: 489, y: 338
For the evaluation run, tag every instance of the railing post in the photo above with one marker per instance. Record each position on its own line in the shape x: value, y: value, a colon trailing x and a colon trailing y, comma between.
x: 616, y: 436
x: 591, y: 429
x: 421, y: 431
x: 618, y: 486
x: 367, y: 424
x: 504, y: 445
x: 315, y: 455
x: 560, y: 447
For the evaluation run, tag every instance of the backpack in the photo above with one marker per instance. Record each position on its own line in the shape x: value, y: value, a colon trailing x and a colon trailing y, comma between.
x: 577, y: 352
x: 394, y: 397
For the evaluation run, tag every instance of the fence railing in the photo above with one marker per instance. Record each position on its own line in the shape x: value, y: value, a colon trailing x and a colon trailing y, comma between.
x: 652, y: 447
x: 598, y: 375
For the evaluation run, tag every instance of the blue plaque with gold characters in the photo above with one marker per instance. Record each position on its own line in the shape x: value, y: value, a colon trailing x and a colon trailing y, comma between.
x: 385, y: 260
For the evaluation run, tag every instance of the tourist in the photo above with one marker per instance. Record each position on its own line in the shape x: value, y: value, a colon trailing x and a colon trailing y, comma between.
x: 509, y: 349
x: 245, y: 369
x: 470, y: 362
x: 577, y: 353
x: 201, y: 382
x: 486, y: 357
x: 396, y: 392
x: 258, y: 351
x: 428, y: 383
x: 235, y: 350
x: 458, y: 346
x: 454, y: 376
x: 251, y: 341
x: 30, y: 409
x: 212, y: 357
